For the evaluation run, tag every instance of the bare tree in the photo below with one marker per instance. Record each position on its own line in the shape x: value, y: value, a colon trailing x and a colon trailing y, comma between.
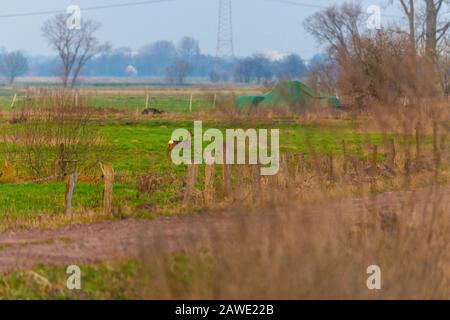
x: 243, y: 71
x: 188, y: 48
x: 261, y: 68
x: 434, y: 32
x: 372, y: 66
x: 178, y: 71
x: 160, y: 49
x: 75, y: 47
x: 256, y: 67
x: 408, y: 7
x: 444, y: 64
x: 292, y: 67
x: 336, y: 26
x: 13, y: 64
x: 322, y: 75
x: 427, y: 18
x: 427, y: 23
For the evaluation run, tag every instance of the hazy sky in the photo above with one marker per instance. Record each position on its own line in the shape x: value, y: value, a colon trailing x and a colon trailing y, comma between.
x: 259, y: 25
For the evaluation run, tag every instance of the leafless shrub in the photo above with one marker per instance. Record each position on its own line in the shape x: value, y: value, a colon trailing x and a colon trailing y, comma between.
x: 385, y: 70
x: 147, y: 184
x: 373, y: 66
x: 152, y: 182
x: 54, y: 136
x: 225, y: 106
x: 323, y: 76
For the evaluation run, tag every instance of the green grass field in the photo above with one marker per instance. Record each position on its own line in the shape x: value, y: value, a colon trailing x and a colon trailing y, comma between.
x: 126, y: 102
x: 108, y: 280
x: 173, y: 105
x: 99, y: 281
x: 135, y: 148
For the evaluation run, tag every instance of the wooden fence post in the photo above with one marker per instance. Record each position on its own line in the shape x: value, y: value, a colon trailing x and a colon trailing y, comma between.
x: 407, y: 162
x: 418, y: 147
x: 226, y: 177
x: 374, y: 156
x: 256, y: 183
x: 210, y: 174
x: 190, y: 103
x: 215, y: 99
x: 70, y: 187
x: 436, y: 154
x: 226, y: 172
x: 300, y: 166
x: 14, y: 100
x: 190, y: 183
x: 146, y: 100
x: 63, y: 162
x: 330, y: 168
x: 283, y: 174
x: 344, y: 151
x: 435, y: 143
x: 391, y: 154
x: 108, y: 176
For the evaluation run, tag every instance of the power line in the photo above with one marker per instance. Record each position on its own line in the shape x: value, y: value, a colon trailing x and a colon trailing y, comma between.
x: 109, y: 6
x: 310, y: 5
x: 129, y: 4
x: 139, y: 3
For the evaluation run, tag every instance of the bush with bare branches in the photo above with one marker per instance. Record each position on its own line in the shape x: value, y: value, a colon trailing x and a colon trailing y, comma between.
x: 54, y: 136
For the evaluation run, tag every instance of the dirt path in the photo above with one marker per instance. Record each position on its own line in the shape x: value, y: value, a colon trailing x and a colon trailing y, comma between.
x: 131, y: 238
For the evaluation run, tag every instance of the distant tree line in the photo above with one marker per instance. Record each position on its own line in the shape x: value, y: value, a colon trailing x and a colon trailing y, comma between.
x: 78, y: 52
x: 259, y: 68
x: 176, y: 62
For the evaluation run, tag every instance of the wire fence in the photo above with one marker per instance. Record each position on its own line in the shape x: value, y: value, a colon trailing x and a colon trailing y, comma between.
x: 182, y: 103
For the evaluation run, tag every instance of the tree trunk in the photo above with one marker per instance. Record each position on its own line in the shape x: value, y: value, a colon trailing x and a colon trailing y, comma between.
x: 412, y: 26
x: 430, y: 29
x: 410, y: 14
x: 76, y: 73
x: 66, y: 74
x: 65, y: 80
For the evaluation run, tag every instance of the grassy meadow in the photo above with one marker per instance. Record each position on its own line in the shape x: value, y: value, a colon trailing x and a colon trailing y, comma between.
x: 136, y: 145
x: 139, y: 147
x: 343, y: 156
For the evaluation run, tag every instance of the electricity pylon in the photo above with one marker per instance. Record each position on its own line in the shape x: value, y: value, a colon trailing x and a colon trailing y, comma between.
x: 225, y: 48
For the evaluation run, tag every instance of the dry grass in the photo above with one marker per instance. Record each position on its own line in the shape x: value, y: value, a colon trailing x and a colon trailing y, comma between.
x: 321, y: 251
x: 51, y: 221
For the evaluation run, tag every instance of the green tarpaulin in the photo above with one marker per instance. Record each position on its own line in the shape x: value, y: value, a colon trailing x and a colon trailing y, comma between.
x: 287, y: 94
